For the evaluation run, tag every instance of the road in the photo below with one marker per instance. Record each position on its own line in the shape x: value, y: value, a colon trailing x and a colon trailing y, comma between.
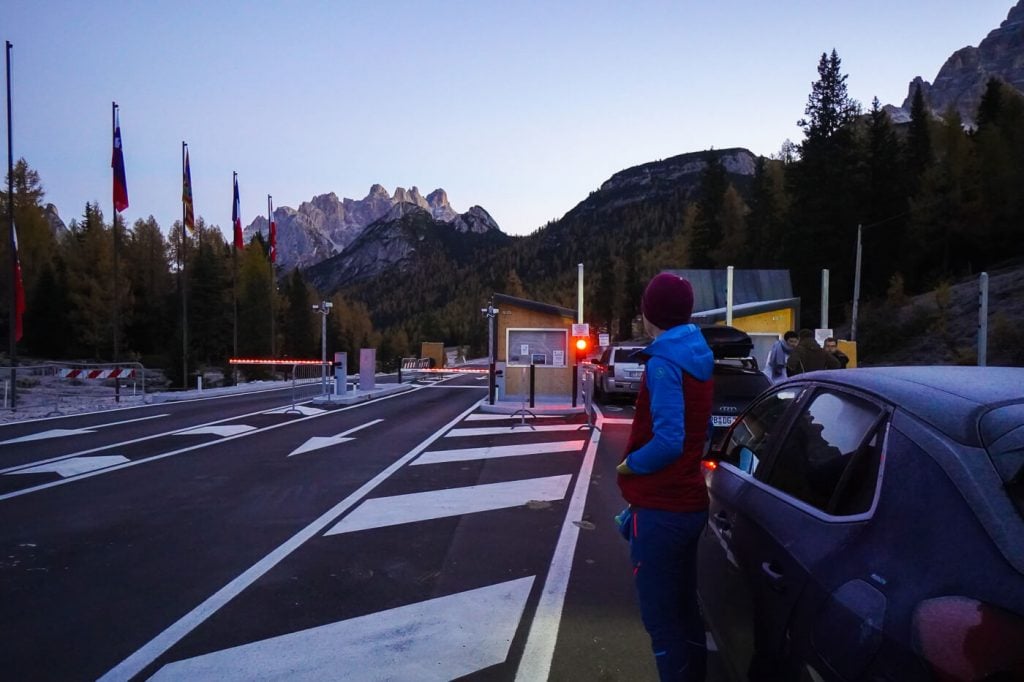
x: 411, y: 537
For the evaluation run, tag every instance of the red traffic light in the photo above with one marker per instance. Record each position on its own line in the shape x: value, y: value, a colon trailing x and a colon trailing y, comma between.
x: 582, y: 344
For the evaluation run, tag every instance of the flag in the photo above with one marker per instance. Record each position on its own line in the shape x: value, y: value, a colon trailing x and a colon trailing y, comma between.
x: 117, y: 163
x: 273, y: 240
x: 186, y: 195
x: 19, y: 289
x: 236, y: 218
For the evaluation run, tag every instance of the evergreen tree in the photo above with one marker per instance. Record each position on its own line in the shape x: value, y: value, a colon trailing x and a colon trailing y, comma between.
x: 829, y: 107
x: 919, y: 138
x: 210, y: 310
x: 89, y: 259
x: 708, y: 228
x: 149, y: 323
x: 766, y: 220
x: 885, y: 211
x: 301, y: 329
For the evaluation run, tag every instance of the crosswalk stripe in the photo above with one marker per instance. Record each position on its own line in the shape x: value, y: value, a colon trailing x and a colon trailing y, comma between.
x: 439, y: 639
x: 436, y: 504
x: 469, y: 454
x: 484, y: 417
x: 505, y: 430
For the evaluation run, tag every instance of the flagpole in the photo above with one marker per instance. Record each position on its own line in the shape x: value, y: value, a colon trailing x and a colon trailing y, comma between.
x: 10, y: 236
x: 270, y: 259
x: 117, y: 295
x: 234, y: 268
x: 183, y: 285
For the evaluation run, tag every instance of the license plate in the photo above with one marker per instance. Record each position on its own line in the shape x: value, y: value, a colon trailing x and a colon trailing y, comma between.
x: 634, y: 373
x: 719, y: 420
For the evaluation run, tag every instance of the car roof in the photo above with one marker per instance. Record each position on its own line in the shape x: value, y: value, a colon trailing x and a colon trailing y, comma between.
x: 951, y: 400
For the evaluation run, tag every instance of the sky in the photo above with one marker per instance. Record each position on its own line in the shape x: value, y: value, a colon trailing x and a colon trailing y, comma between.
x: 523, y: 108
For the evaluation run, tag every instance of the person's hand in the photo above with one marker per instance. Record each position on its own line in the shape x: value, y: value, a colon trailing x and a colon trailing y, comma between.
x: 623, y: 468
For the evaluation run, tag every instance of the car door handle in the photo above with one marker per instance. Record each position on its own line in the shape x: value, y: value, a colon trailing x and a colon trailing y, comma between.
x: 774, y: 575
x: 722, y: 521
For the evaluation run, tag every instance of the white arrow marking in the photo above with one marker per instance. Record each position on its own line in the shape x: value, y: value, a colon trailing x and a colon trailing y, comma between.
x: 43, y: 435
x: 306, y: 411
x: 223, y: 431
x: 437, y: 504
x: 74, y: 466
x: 59, y: 433
x: 317, y: 442
x: 505, y: 430
x: 439, y: 639
x: 467, y: 454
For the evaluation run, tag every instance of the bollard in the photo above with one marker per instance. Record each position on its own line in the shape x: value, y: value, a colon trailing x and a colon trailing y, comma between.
x: 117, y: 390
x: 575, y: 383
x: 533, y: 375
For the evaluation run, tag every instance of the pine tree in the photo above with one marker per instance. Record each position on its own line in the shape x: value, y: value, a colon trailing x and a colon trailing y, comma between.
x: 708, y: 228
x: 919, y: 138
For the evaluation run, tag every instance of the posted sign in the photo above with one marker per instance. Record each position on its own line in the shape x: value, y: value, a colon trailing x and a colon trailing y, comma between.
x: 582, y: 329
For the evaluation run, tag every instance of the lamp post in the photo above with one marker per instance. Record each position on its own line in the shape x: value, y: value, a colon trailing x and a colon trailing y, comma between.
x: 491, y: 312
x: 324, y: 308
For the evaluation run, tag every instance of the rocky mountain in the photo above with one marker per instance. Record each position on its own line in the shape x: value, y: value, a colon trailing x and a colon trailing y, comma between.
x: 676, y: 176
x: 405, y: 238
x: 961, y: 81
x: 57, y: 225
x: 326, y: 225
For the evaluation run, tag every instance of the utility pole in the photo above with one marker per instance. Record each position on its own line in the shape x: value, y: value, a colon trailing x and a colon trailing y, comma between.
x: 11, y: 239
x: 856, y: 289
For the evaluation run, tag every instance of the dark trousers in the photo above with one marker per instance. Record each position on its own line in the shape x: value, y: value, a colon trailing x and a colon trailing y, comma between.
x: 663, y: 549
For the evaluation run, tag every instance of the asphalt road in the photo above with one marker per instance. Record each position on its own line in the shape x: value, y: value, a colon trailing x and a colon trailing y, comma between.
x: 407, y: 538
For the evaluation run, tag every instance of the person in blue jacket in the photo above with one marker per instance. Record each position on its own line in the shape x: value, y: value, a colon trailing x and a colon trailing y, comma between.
x: 660, y: 477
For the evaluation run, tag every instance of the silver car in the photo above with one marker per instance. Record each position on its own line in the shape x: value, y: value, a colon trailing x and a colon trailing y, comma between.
x: 618, y: 372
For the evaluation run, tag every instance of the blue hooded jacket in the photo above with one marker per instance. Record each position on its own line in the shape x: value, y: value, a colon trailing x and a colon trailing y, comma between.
x: 677, y: 350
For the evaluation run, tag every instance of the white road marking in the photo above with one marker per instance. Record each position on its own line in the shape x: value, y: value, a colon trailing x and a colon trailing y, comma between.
x: 136, y: 462
x: 486, y: 417
x: 468, y: 454
x: 74, y: 466
x: 505, y: 430
x: 317, y: 442
x: 304, y: 409
x: 44, y: 435
x: 223, y: 431
x: 618, y: 420
x: 134, y: 664
x: 439, y: 639
x: 535, y: 663
x: 437, y: 504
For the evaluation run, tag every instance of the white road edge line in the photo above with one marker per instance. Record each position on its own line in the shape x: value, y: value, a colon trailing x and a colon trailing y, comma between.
x: 535, y: 663
x: 135, y: 462
x: 134, y: 664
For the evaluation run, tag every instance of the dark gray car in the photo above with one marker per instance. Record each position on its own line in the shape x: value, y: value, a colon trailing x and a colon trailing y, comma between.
x: 867, y: 524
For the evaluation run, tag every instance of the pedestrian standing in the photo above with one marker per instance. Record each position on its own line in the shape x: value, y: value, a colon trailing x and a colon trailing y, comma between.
x: 808, y: 356
x: 778, y: 356
x: 660, y: 477
x: 831, y: 346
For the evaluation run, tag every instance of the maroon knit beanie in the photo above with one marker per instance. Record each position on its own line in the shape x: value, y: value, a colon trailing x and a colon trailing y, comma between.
x: 667, y: 301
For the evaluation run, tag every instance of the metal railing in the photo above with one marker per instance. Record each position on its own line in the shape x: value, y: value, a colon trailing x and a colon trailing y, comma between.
x: 67, y: 387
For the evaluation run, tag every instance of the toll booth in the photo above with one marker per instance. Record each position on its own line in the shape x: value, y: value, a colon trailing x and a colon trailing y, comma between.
x: 533, y: 333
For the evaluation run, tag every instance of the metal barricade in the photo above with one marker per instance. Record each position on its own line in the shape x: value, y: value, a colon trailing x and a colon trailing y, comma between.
x: 67, y: 387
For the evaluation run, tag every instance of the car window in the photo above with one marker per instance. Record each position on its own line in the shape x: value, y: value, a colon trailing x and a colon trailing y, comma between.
x: 626, y: 355
x: 829, y: 458
x: 754, y: 433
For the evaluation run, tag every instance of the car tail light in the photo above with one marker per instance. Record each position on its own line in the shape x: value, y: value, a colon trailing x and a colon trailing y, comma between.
x: 965, y: 639
x: 709, y: 464
x: 611, y: 370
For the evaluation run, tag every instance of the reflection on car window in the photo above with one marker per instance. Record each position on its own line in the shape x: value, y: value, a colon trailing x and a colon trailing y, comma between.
x: 830, y: 456
x: 751, y: 437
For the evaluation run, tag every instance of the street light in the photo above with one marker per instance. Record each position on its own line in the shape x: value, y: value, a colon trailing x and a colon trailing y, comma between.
x: 324, y: 308
x: 491, y: 312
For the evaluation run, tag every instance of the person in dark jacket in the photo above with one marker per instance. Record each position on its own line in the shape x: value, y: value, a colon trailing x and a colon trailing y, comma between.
x: 660, y: 477
x: 808, y: 356
x: 831, y: 346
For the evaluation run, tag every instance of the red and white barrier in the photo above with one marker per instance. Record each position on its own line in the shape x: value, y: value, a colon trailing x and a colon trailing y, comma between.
x: 118, y: 373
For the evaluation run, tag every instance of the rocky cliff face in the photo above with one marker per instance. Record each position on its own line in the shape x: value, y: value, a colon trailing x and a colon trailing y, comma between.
x: 326, y: 225
x: 961, y: 81
x: 659, y: 179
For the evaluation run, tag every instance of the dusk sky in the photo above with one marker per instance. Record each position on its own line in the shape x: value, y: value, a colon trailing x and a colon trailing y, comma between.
x: 520, y: 107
